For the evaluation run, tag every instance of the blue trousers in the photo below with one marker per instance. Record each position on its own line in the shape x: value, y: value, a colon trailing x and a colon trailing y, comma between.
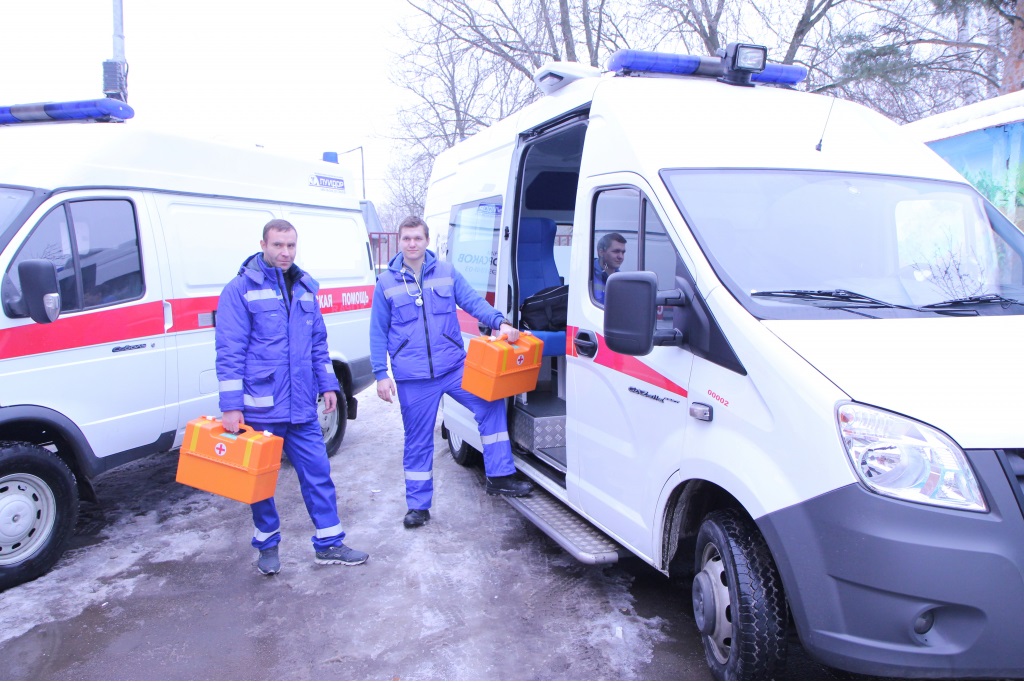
x: 420, y: 399
x: 304, y: 445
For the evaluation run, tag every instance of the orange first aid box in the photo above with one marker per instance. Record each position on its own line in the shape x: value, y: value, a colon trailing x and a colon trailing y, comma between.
x: 496, y: 368
x: 241, y: 466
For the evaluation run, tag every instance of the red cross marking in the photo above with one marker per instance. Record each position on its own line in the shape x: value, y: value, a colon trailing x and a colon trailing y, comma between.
x: 220, y: 449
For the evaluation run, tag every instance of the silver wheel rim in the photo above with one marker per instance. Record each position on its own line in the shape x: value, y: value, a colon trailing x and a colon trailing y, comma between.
x: 328, y: 422
x: 721, y: 638
x: 454, y: 441
x: 27, y: 514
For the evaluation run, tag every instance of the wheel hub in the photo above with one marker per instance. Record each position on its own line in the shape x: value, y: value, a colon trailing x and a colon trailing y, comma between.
x: 715, y: 594
x: 329, y: 421
x: 704, y: 603
x: 27, y: 509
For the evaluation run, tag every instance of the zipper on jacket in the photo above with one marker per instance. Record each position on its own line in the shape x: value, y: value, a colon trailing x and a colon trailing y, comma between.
x: 426, y: 327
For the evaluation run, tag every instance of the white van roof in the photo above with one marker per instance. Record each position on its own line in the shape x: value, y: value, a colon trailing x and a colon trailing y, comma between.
x: 54, y: 156
x: 657, y: 122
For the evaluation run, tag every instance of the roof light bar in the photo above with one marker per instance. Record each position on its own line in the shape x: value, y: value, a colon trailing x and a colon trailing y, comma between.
x: 744, y: 61
x: 94, y: 109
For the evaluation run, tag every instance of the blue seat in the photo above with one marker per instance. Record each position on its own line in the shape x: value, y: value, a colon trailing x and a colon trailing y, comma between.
x: 535, y: 264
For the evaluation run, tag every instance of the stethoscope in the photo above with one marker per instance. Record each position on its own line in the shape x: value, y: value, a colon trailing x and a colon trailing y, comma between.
x: 419, y: 294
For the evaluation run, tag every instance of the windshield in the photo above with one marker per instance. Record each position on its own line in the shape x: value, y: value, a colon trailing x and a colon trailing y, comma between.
x: 12, y: 201
x: 817, y: 244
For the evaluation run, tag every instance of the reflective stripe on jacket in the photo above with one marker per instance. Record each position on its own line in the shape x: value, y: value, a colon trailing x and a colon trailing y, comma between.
x: 272, y: 357
x: 424, y: 341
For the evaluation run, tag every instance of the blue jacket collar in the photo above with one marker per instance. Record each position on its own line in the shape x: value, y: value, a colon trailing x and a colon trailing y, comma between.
x: 256, y: 269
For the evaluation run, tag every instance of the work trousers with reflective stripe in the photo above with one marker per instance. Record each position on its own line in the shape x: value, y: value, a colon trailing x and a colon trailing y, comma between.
x: 304, y: 446
x: 420, y: 399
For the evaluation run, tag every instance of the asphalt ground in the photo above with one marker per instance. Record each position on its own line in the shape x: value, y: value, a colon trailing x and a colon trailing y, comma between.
x: 160, y: 583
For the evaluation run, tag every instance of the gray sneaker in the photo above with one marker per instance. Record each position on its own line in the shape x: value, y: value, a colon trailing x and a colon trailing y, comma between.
x: 340, y: 554
x: 269, y: 563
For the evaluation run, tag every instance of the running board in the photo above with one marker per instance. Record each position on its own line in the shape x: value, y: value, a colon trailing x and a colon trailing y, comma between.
x: 575, y: 535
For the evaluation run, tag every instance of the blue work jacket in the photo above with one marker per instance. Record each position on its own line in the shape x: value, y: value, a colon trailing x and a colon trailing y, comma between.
x: 272, y: 357
x: 424, y: 341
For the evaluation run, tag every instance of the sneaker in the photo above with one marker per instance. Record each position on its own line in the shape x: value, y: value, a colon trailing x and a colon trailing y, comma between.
x: 269, y: 563
x: 416, y: 518
x: 340, y: 554
x: 509, y: 486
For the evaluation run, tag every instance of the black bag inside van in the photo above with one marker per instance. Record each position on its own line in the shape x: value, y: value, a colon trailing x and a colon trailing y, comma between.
x: 546, y: 310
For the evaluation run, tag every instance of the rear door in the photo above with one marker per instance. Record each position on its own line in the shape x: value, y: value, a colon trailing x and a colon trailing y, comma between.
x: 626, y: 416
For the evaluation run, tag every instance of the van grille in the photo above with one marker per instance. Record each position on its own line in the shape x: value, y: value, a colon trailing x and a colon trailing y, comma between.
x: 1013, y: 463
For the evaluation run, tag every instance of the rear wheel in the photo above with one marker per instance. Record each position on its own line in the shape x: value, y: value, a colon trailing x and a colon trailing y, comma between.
x: 462, y: 453
x: 333, y: 425
x: 38, y: 511
x: 738, y: 602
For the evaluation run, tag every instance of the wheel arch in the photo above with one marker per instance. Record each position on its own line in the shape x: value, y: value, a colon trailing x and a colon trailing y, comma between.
x: 687, y: 506
x: 43, y: 426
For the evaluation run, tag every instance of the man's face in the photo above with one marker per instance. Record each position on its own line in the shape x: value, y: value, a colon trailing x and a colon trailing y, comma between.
x: 413, y: 242
x: 279, y: 248
x: 613, y: 256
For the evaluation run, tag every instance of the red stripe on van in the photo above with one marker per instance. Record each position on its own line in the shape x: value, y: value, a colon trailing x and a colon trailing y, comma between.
x: 186, y: 312
x: 89, y: 329
x: 624, y: 364
x: 467, y: 323
x: 342, y: 299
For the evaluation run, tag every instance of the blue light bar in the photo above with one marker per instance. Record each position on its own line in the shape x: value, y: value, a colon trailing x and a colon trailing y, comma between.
x: 94, y: 109
x: 781, y: 74
x: 653, y: 62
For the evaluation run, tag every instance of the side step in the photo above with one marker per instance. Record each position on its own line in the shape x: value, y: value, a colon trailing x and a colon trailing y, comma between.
x: 575, y: 535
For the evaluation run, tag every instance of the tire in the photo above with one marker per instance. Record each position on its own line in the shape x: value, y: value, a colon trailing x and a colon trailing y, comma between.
x: 462, y: 453
x: 38, y: 511
x: 738, y: 601
x: 332, y: 425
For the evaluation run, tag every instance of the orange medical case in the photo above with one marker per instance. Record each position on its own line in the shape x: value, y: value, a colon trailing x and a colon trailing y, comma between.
x: 496, y: 368
x: 241, y: 466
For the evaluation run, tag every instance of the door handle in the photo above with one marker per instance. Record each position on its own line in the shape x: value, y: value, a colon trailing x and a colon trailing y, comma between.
x: 586, y: 343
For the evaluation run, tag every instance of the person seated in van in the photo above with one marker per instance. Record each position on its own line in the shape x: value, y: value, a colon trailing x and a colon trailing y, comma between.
x: 272, y: 361
x: 611, y: 251
x: 413, y: 320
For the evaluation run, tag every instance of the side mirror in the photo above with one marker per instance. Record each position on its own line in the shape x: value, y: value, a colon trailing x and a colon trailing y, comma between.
x: 631, y: 301
x: 39, y: 289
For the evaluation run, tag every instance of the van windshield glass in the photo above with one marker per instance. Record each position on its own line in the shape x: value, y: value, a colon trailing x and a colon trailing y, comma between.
x: 801, y: 244
x: 12, y: 201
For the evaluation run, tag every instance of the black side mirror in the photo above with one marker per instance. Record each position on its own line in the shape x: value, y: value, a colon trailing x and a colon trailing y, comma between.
x: 630, y: 312
x: 39, y: 289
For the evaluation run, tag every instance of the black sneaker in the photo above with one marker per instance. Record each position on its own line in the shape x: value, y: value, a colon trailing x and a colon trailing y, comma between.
x: 340, y: 554
x: 269, y: 563
x: 416, y: 518
x: 509, y: 486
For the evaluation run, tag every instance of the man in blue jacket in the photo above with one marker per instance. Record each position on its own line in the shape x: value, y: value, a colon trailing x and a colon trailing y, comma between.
x: 272, y: 362
x: 413, y: 320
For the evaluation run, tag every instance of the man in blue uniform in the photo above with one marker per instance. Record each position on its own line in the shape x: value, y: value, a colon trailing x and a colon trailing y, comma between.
x: 413, y: 320
x: 611, y: 251
x: 272, y: 362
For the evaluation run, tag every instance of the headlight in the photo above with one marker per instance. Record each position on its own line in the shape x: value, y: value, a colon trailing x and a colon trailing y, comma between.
x: 908, y: 460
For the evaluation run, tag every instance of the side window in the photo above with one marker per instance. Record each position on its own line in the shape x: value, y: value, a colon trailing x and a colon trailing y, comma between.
x: 95, y: 247
x: 660, y: 257
x: 50, y: 240
x: 616, y: 229
x: 108, y: 251
x: 473, y: 243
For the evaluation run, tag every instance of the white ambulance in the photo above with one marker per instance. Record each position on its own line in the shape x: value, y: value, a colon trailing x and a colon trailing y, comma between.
x: 802, y: 383
x: 115, y: 243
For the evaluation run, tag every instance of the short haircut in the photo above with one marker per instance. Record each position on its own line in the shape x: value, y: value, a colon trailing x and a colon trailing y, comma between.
x: 278, y: 225
x: 413, y: 222
x: 604, y: 242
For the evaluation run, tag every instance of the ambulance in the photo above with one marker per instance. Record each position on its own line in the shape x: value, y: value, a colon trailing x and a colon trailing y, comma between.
x: 801, y: 385
x: 115, y: 243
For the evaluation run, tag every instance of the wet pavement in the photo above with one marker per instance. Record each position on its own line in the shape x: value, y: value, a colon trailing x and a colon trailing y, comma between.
x: 160, y: 583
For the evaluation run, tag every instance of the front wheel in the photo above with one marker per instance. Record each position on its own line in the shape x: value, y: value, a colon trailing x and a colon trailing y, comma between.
x: 38, y: 511
x: 738, y: 601
x: 461, y: 451
x: 332, y: 425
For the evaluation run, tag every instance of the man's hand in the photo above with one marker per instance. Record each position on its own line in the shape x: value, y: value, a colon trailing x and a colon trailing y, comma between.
x: 330, y: 401
x: 231, y: 419
x: 508, y: 330
x: 386, y: 389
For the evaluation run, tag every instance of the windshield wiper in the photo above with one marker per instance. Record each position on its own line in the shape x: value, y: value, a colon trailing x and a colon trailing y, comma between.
x: 852, y: 297
x: 974, y: 300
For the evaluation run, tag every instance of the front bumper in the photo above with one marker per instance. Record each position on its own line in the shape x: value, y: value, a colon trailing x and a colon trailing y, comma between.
x: 861, y: 570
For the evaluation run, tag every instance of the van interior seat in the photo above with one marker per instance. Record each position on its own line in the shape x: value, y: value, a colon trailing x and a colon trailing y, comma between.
x: 535, y: 264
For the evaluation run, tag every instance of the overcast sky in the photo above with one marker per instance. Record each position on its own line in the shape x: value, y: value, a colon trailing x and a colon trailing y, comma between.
x: 299, y: 77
